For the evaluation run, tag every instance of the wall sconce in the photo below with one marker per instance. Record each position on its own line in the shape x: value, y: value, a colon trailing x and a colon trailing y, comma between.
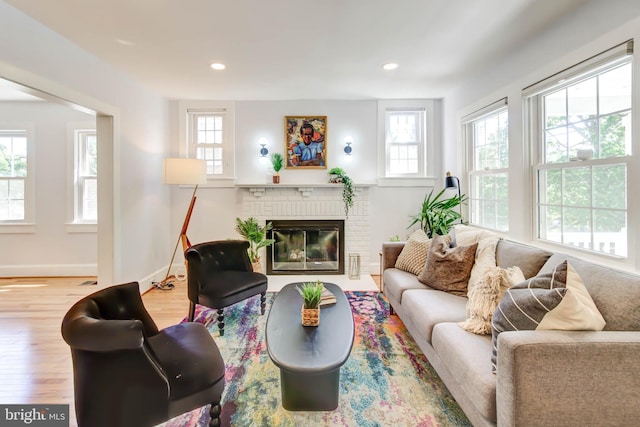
x: 454, y: 182
x: 263, y: 150
x: 347, y: 149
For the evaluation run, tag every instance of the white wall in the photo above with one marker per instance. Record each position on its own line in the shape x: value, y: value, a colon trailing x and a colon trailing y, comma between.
x: 593, y: 29
x: 33, y: 55
x: 216, y: 208
x: 50, y: 250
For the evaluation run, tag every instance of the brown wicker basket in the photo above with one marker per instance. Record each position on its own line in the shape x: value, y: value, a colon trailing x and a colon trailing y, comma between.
x: 310, y: 316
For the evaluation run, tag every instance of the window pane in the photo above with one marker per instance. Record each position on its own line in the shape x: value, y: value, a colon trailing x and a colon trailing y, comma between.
x: 90, y: 201
x: 402, y: 127
x: 555, y: 109
x: 582, y: 135
x: 615, y: 136
x: 610, y: 232
x: 615, y: 90
x: 610, y: 187
x: 577, y: 220
x: 583, y: 100
x: 556, y: 145
x: 551, y: 187
x: 577, y: 187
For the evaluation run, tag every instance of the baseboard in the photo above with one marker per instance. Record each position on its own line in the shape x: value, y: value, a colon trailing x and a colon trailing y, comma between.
x: 52, y: 270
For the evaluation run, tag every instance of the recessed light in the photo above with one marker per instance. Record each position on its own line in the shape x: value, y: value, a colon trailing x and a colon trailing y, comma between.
x: 389, y: 66
x: 124, y: 42
x: 218, y: 66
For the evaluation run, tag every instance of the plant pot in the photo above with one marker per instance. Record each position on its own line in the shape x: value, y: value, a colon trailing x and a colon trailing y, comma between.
x: 257, y: 267
x: 276, y: 179
x: 310, y: 316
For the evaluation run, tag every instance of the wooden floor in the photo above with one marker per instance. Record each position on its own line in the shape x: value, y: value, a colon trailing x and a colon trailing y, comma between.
x: 35, y: 362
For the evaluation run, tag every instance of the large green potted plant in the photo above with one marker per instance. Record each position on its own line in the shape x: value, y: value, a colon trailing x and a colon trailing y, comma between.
x: 438, y: 214
x: 338, y: 175
x: 257, y: 237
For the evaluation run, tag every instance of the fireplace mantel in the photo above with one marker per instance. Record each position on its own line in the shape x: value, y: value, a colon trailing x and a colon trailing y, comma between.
x: 258, y: 190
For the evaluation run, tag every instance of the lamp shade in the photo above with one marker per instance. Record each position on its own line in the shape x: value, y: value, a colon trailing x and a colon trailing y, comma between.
x: 185, y: 171
x: 450, y: 181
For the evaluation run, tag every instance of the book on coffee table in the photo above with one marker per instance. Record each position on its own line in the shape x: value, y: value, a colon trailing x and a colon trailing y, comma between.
x: 327, y: 298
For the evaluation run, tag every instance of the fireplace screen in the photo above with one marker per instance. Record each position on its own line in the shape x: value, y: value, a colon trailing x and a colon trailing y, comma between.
x: 306, y: 246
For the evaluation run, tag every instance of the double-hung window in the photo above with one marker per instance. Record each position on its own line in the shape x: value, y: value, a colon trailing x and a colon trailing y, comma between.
x: 86, y: 176
x: 13, y: 175
x: 210, y: 138
x: 405, y: 142
x: 581, y: 129
x: 486, y: 134
x: 406, y: 129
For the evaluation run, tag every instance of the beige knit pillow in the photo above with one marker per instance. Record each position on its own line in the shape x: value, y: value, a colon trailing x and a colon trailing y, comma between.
x: 414, y: 254
x: 485, y: 297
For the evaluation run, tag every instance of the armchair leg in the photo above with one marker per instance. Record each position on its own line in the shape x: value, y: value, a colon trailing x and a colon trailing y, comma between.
x: 263, y: 302
x: 221, y: 321
x: 214, y: 413
x: 192, y: 311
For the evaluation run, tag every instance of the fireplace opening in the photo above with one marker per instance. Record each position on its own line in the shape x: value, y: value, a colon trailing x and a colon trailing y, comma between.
x: 306, y: 247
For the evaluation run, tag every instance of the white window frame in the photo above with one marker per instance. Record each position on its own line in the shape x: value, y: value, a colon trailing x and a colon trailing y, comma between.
x: 534, y: 114
x: 468, y: 125
x: 26, y: 224
x: 75, y: 188
x: 187, y: 148
x: 430, y: 127
x: 82, y: 176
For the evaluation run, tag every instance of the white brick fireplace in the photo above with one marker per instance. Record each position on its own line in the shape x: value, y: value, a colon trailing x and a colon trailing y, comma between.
x: 317, y: 201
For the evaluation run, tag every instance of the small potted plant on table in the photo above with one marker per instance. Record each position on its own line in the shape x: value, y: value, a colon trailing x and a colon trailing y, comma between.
x: 277, y: 161
x: 311, y: 293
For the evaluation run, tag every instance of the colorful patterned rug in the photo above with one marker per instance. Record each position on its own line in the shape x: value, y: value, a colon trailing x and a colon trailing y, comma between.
x: 386, y: 381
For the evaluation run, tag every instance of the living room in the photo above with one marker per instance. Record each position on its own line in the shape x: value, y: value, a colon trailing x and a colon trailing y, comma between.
x: 140, y: 216
x: 150, y: 131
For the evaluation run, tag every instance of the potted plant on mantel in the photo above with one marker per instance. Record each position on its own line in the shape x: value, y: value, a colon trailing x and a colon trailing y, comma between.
x: 277, y: 161
x: 257, y: 237
x: 438, y: 215
x: 311, y: 293
x: 338, y: 175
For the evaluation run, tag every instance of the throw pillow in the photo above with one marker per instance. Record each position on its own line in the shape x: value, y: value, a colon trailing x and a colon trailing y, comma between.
x: 448, y: 269
x: 485, y: 296
x: 557, y: 300
x: 414, y: 253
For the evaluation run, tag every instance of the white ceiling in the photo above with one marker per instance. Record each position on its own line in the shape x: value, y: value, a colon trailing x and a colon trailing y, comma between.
x: 298, y: 49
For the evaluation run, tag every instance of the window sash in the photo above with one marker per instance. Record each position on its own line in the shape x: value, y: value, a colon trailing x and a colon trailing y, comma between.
x: 581, y: 199
x: 14, y: 147
x: 208, y: 140
x: 86, y: 190
x: 405, y: 142
x: 486, y: 135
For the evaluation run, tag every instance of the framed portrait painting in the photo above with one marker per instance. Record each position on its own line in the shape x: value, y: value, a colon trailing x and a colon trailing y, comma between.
x: 305, y: 142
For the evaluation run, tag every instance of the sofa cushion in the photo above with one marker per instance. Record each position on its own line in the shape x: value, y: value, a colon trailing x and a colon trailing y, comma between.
x: 397, y: 281
x: 467, y: 356
x: 555, y: 300
x: 448, y: 269
x: 484, y: 298
x: 615, y: 293
x: 427, y: 308
x: 414, y: 253
x: 528, y: 258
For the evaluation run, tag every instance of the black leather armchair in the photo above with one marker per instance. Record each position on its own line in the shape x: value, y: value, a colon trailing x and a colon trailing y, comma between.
x: 219, y: 274
x: 127, y: 373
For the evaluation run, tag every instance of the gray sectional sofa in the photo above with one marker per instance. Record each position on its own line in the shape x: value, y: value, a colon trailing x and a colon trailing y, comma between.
x: 544, y: 378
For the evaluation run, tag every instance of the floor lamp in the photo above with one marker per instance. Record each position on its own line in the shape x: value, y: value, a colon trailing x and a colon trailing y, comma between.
x: 454, y: 182
x: 183, y: 172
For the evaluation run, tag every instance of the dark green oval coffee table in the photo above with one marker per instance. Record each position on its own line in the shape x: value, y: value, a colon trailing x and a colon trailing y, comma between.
x: 309, y: 357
